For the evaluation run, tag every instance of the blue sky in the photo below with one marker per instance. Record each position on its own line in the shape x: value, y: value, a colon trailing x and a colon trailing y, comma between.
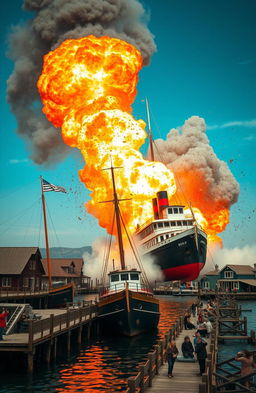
x: 204, y: 65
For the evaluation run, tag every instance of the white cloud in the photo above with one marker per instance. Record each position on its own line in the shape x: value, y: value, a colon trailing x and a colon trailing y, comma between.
x: 16, y: 161
x: 246, y: 123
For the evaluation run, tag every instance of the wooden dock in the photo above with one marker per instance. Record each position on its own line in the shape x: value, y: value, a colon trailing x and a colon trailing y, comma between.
x: 186, y: 378
x: 51, y: 325
x: 153, y: 377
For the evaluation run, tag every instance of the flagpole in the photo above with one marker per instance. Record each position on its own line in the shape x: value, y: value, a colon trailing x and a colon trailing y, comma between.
x: 46, y: 237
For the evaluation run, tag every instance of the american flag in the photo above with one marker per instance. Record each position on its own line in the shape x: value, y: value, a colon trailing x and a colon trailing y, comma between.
x: 51, y: 187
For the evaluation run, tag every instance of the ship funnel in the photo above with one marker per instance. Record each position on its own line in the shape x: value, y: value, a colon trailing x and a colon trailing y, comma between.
x: 162, y: 202
x: 155, y: 209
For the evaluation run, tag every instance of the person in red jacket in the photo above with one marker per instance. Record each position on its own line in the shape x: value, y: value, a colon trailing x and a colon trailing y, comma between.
x: 3, y: 316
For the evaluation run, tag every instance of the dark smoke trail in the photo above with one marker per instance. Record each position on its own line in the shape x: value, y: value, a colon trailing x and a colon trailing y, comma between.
x: 54, y: 22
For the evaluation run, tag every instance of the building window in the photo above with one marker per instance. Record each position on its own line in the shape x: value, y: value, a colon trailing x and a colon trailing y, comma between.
x: 162, y: 238
x: 179, y: 223
x: 115, y: 277
x: 206, y: 285
x: 25, y: 282
x: 173, y: 223
x: 235, y: 285
x: 184, y: 223
x: 166, y: 224
x: 170, y: 210
x: 175, y: 210
x: 228, y: 274
x: 180, y: 210
x: 155, y: 226
x: 6, y: 282
x: 124, y: 277
x: 134, y: 276
x: 160, y: 225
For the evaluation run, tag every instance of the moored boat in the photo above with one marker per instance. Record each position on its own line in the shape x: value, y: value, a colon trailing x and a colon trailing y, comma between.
x: 127, y: 305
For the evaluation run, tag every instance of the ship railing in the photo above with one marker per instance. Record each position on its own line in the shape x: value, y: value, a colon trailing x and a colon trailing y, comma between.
x: 135, y: 287
x: 142, y: 226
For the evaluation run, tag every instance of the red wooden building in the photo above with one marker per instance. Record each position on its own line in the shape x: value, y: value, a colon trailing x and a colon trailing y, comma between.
x: 21, y: 268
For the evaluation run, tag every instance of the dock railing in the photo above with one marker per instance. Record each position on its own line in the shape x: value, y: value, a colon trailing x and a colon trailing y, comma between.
x: 156, y: 359
x: 55, y: 324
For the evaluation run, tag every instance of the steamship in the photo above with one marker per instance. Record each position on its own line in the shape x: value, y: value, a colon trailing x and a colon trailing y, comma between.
x: 127, y: 305
x: 174, y: 240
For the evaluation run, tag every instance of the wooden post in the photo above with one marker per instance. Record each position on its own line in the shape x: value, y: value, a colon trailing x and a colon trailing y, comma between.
x: 79, y: 335
x: 131, y: 384
x: 54, y: 352
x: 51, y: 324
x: 142, y: 387
x: 30, y: 362
x: 245, y: 326
x: 48, y: 352
x: 68, y: 342
x: 30, y: 336
x: 150, y: 369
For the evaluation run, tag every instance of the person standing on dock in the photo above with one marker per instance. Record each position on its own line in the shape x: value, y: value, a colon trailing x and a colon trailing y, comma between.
x: 3, y: 316
x: 201, y: 353
x: 171, y: 354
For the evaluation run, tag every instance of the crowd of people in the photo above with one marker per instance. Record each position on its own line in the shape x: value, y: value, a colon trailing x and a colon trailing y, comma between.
x: 196, y: 349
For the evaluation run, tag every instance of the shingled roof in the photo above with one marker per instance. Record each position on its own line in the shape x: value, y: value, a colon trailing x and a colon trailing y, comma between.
x: 58, y: 266
x: 241, y: 269
x: 14, y: 259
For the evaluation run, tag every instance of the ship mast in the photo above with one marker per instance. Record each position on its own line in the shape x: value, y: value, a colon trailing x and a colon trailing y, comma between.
x: 152, y: 156
x: 117, y: 214
x: 46, y: 237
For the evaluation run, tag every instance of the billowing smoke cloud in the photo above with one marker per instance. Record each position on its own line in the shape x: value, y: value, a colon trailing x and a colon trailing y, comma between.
x: 93, y: 263
x: 202, y: 178
x: 54, y: 22
x: 232, y: 256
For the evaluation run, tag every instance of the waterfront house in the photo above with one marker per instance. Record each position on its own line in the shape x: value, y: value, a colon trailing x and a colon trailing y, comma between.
x: 209, y: 280
x: 66, y: 270
x: 20, y: 269
x: 238, y: 278
x: 231, y: 278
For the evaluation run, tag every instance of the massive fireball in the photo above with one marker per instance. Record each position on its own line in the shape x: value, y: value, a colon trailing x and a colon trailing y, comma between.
x: 87, y: 88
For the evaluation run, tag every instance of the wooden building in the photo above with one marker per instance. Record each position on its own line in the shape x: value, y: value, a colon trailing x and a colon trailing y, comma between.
x: 21, y: 269
x: 231, y: 278
x: 66, y: 270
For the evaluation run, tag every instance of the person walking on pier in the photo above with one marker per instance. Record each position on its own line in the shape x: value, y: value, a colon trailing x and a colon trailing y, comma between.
x: 171, y: 353
x: 3, y: 316
x: 201, y: 353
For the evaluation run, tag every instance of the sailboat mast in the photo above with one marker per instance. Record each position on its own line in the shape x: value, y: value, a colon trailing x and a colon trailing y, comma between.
x: 118, y: 221
x: 150, y: 134
x: 46, y: 237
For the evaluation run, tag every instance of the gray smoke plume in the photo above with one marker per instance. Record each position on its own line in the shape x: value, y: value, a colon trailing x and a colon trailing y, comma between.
x: 188, y: 150
x: 54, y: 22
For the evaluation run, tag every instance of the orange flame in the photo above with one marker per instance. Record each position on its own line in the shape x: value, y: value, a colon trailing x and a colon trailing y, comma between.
x: 87, y: 88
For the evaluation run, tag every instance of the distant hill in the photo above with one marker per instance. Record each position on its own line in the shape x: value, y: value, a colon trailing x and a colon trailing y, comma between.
x: 66, y: 252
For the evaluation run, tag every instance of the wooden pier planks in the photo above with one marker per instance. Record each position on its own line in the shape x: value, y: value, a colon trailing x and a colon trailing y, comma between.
x: 185, y: 378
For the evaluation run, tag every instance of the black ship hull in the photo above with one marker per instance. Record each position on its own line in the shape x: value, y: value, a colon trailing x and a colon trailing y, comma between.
x: 128, y: 313
x: 181, y: 257
x: 59, y: 297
